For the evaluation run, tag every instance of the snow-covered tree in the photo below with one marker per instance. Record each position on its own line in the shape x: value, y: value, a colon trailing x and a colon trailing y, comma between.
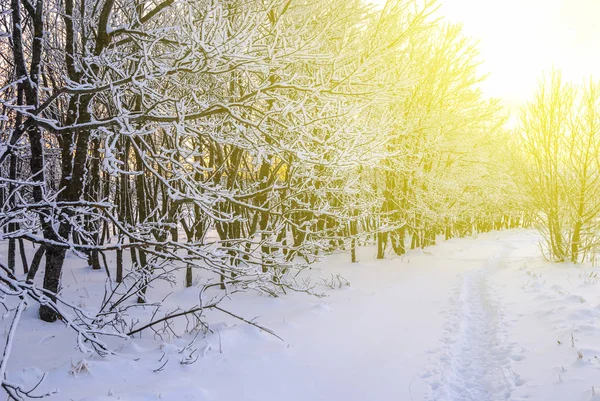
x: 559, y: 167
x: 229, y: 144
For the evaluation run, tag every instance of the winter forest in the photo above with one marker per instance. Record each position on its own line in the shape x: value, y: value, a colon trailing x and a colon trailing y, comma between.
x: 291, y: 200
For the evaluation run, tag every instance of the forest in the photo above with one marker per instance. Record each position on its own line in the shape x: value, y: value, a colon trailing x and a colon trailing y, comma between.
x: 231, y: 146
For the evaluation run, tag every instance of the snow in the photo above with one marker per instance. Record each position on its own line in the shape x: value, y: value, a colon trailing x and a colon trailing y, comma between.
x: 475, y: 319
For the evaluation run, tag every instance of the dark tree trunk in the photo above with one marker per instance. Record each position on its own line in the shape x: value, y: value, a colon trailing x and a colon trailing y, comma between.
x: 381, y: 244
x: 142, y: 213
x: 354, y: 235
x: 23, y: 256
x: 55, y: 257
x: 35, y: 263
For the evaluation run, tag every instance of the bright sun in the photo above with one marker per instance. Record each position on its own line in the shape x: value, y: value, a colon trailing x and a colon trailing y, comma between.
x: 522, y: 39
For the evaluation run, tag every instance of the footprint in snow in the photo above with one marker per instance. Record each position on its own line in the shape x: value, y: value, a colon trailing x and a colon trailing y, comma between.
x: 476, y: 360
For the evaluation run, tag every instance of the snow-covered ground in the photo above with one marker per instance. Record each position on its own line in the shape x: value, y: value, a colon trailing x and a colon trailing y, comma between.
x: 476, y: 319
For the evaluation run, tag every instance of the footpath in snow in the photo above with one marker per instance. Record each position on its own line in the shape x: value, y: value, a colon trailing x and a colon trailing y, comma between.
x: 474, y: 362
x: 476, y: 319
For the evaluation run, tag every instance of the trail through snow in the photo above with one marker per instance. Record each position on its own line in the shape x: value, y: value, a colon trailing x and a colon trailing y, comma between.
x: 476, y: 319
x: 475, y: 360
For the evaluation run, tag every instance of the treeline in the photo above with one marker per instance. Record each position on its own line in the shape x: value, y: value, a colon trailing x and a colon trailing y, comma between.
x: 558, y: 155
x: 240, y: 139
x: 236, y: 141
x: 229, y: 144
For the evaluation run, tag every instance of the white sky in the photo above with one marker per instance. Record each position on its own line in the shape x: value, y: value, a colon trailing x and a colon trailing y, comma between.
x: 522, y: 39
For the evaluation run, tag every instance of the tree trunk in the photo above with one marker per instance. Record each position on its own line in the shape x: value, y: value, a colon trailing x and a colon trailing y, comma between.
x: 381, y: 242
x: 23, y: 256
x: 35, y: 263
x: 55, y: 257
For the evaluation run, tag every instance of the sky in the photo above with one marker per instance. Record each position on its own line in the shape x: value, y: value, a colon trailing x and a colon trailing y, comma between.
x: 520, y: 40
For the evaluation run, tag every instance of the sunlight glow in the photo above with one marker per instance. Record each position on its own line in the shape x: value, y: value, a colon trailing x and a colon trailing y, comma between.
x: 522, y: 39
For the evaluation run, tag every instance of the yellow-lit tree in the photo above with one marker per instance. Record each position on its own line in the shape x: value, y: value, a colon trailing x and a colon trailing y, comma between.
x: 560, y: 166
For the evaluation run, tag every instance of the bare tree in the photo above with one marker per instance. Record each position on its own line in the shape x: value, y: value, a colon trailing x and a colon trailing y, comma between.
x: 560, y: 168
